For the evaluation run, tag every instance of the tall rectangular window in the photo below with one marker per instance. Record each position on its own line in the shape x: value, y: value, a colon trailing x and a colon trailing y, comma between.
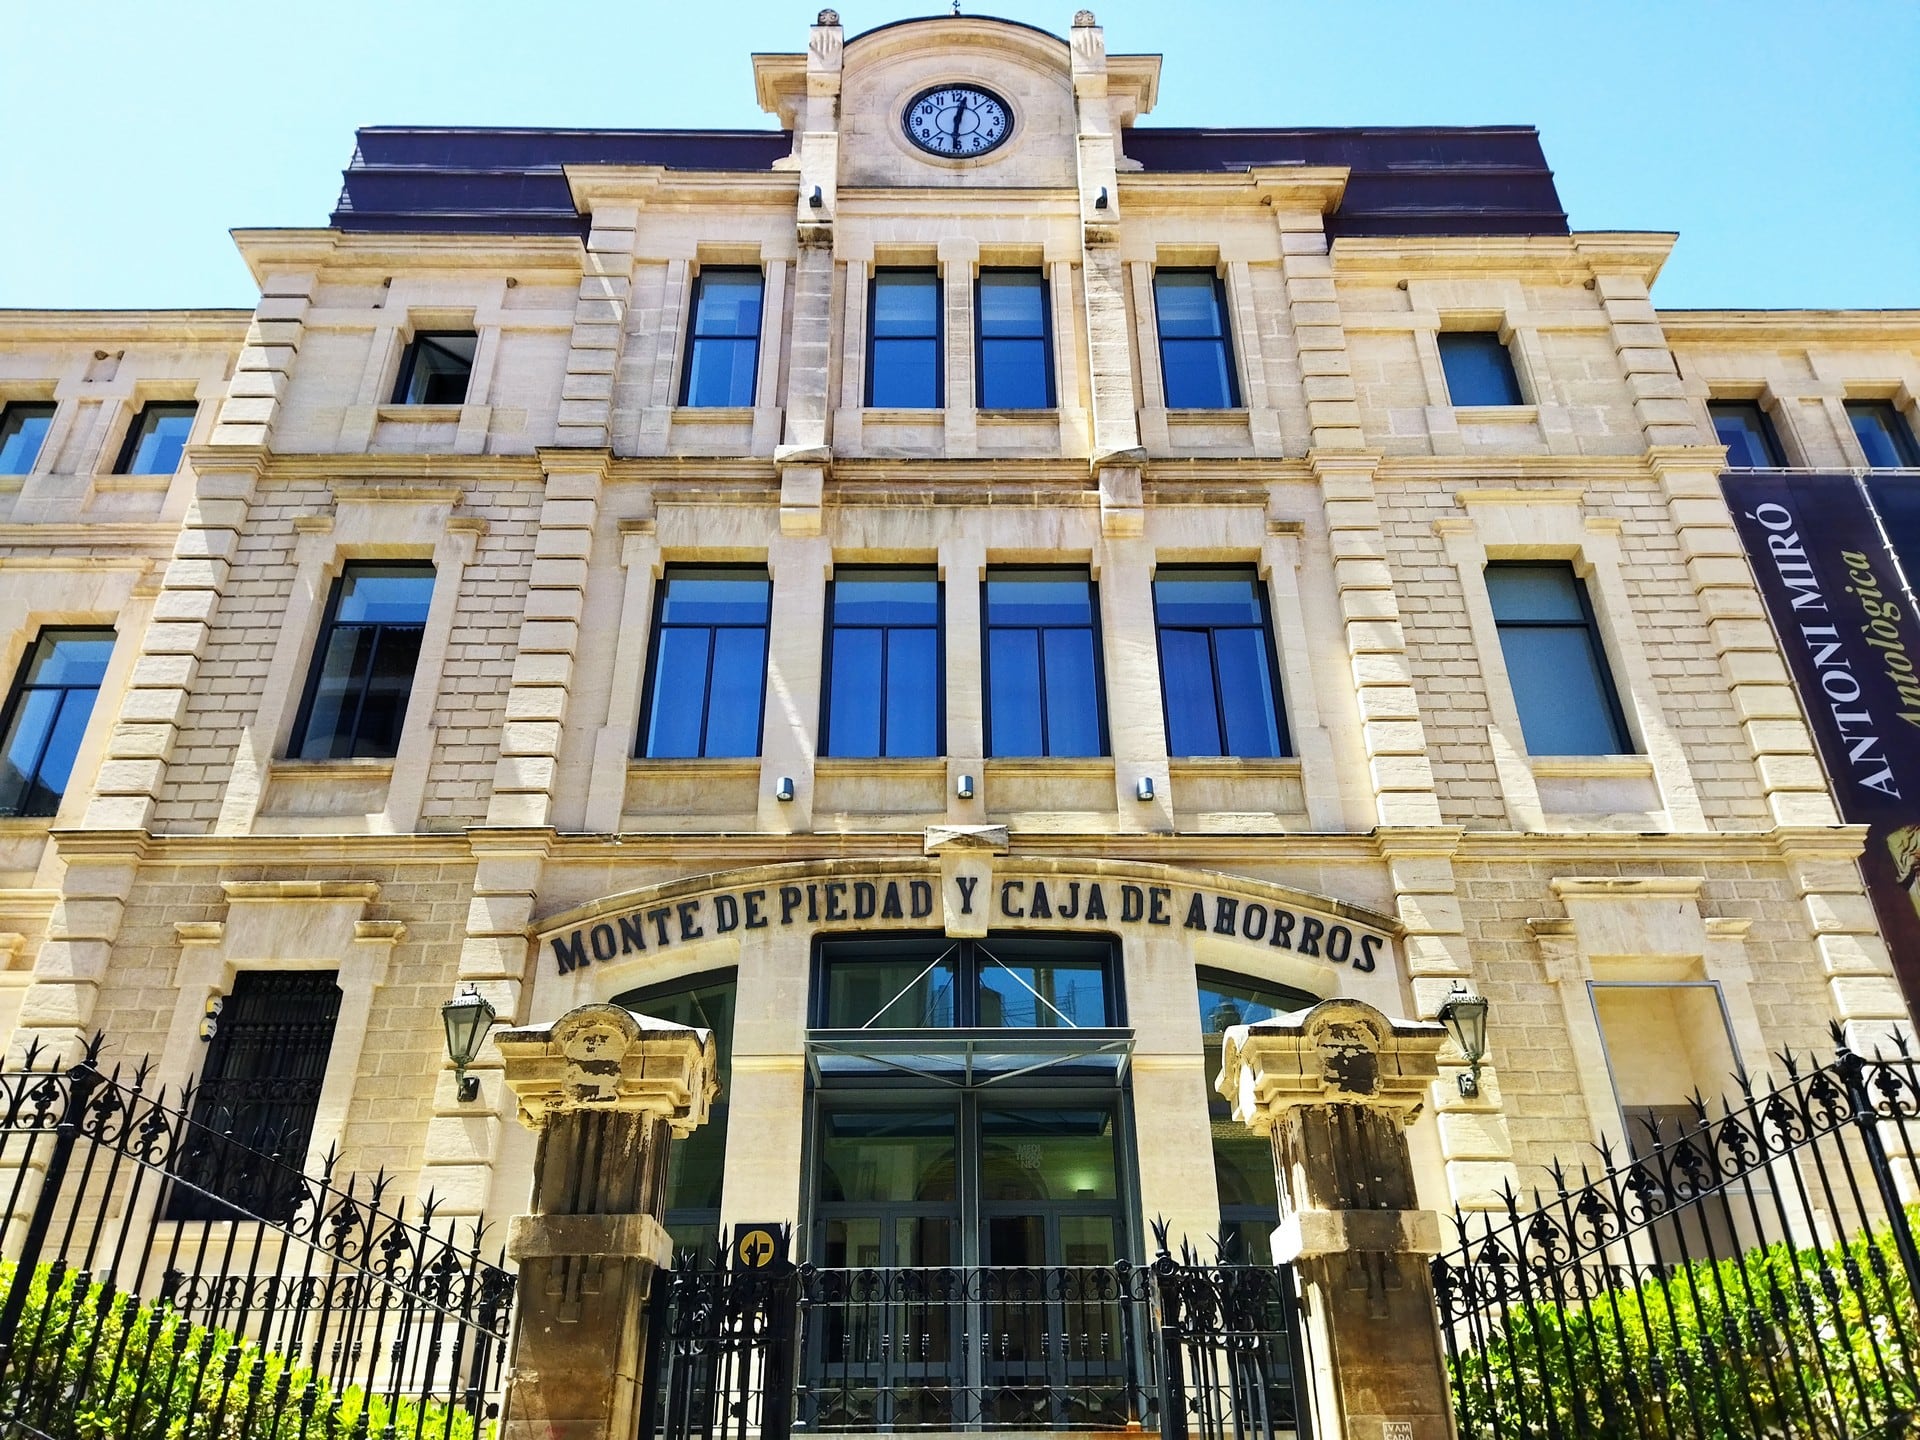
x: 1043, y: 664
x: 1886, y: 438
x: 1196, y: 350
x: 1561, y: 683
x: 1743, y: 427
x: 707, y: 683
x: 903, y: 350
x: 436, y: 367
x: 157, y: 438
x: 1216, y: 663
x: 356, y: 699
x: 257, y: 1097
x: 723, y: 347
x: 1016, y: 350
x: 1478, y: 368
x: 23, y: 430
x: 884, y: 695
x: 52, y: 700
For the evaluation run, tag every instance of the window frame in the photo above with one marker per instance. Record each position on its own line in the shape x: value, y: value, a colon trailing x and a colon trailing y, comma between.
x: 1105, y: 751
x: 1520, y: 399
x: 26, y: 409
x: 1045, y: 337
x: 323, y: 640
x: 136, y: 431
x: 1282, y: 734
x: 1769, y: 433
x: 410, y: 360
x: 939, y: 663
x: 1899, y: 431
x: 1235, y: 399
x: 659, y: 626
x: 967, y: 971
x: 939, y: 337
x: 1596, y: 640
x: 16, y: 696
x: 694, y: 337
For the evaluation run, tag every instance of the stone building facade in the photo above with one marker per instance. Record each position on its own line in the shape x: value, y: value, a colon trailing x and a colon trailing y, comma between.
x: 513, y: 396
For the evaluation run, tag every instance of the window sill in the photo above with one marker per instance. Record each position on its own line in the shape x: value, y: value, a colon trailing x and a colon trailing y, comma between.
x: 886, y: 767
x: 715, y: 766
x: 26, y: 824
x: 874, y: 416
x: 1209, y: 416
x: 1015, y: 767
x: 1496, y: 414
x: 1281, y: 767
x: 713, y: 415
x: 1591, y: 767
x: 357, y: 767
x: 1039, y: 414
x: 421, y: 414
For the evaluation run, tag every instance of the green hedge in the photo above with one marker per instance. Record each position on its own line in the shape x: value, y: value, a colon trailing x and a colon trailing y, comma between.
x: 1758, y: 1345
x: 90, y: 1365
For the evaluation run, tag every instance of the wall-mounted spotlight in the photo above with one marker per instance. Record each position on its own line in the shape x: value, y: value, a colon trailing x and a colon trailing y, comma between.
x: 1100, y: 201
x: 816, y: 200
x: 963, y: 787
x: 1144, y: 790
x: 784, y: 790
x: 1464, y: 1013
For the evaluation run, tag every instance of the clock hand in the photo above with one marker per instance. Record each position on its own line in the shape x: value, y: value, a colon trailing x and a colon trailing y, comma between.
x: 959, y: 111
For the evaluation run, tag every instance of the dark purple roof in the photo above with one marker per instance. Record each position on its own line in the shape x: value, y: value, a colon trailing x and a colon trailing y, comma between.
x: 1483, y: 180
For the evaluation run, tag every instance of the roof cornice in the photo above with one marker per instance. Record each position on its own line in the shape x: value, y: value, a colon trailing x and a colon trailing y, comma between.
x: 1566, y: 257
x: 1792, y: 326
x: 268, y: 251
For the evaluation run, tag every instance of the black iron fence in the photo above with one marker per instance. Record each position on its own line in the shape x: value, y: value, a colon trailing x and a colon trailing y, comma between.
x: 282, y: 1306
x: 1195, y: 1350
x: 1751, y: 1272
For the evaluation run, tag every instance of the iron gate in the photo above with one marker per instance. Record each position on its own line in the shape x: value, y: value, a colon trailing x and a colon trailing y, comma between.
x: 284, y: 1305
x: 1196, y: 1350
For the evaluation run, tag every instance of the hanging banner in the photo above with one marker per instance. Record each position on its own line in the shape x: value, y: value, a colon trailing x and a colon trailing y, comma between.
x: 1853, y: 644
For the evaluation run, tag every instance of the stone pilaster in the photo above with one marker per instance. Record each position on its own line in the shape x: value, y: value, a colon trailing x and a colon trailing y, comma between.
x: 817, y: 148
x: 1116, y: 434
x: 1660, y: 402
x: 599, y: 323
x: 265, y: 365
x: 1335, y: 1088
x: 1333, y: 406
x: 606, y: 1091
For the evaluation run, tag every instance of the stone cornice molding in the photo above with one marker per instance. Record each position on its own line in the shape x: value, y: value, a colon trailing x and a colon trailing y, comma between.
x: 1792, y: 327
x: 124, y: 327
x: 1565, y: 258
x: 269, y: 251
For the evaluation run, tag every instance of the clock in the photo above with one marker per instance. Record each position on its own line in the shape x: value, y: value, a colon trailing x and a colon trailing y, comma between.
x: 957, y: 122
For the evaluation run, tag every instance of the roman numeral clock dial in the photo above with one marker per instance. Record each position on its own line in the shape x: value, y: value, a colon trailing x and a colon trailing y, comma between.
x: 957, y: 122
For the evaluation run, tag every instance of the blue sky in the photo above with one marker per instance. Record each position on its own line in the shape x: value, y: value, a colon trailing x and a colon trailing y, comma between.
x: 1781, y: 140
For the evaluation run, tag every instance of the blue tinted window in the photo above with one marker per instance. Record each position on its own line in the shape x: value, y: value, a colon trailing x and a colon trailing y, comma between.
x: 1043, y: 669
x: 1216, y: 666
x: 356, y: 699
x: 47, y: 716
x: 1479, y: 371
x: 706, y: 685
x: 884, y: 693
x: 1196, y: 360
x: 1883, y: 435
x: 904, y: 364
x: 157, y: 439
x: 723, y: 350
x: 1016, y: 368
x: 23, y: 430
x: 1744, y: 429
x: 1558, y: 670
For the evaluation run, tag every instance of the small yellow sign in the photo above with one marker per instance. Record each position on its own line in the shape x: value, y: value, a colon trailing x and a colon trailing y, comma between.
x: 756, y: 1249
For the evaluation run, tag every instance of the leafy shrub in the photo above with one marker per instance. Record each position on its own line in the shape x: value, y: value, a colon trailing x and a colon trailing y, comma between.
x: 91, y: 1363
x: 1779, y: 1341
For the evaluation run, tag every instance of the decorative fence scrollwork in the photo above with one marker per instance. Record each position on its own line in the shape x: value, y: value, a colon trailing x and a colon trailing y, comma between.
x: 283, y: 1305
x: 1749, y: 1272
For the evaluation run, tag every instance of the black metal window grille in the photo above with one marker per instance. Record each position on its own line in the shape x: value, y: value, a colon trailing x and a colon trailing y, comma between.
x: 885, y: 663
x: 723, y: 343
x: 1196, y: 344
x: 706, y: 684
x: 1884, y: 436
x: 1218, y: 675
x: 253, y: 1108
x: 23, y: 430
x: 1747, y: 432
x: 356, y: 697
x: 157, y: 438
x: 46, y: 716
x: 1013, y: 341
x: 1478, y: 368
x: 1558, y: 668
x: 1043, y: 685
x: 436, y: 368
x: 903, y: 341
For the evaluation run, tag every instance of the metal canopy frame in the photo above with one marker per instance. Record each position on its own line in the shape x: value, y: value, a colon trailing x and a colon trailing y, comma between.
x: 965, y: 1051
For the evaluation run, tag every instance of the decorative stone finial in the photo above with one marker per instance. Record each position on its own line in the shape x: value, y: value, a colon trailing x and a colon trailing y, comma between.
x: 1083, y: 20
x: 827, y: 17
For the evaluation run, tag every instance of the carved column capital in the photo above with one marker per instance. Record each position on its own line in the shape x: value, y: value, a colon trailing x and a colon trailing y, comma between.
x: 604, y: 1058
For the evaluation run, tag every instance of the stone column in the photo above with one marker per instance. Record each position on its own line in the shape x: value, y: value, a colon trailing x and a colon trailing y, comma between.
x: 605, y: 1090
x: 1336, y: 1087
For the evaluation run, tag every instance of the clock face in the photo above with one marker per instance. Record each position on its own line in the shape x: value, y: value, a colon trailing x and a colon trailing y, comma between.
x: 957, y: 121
